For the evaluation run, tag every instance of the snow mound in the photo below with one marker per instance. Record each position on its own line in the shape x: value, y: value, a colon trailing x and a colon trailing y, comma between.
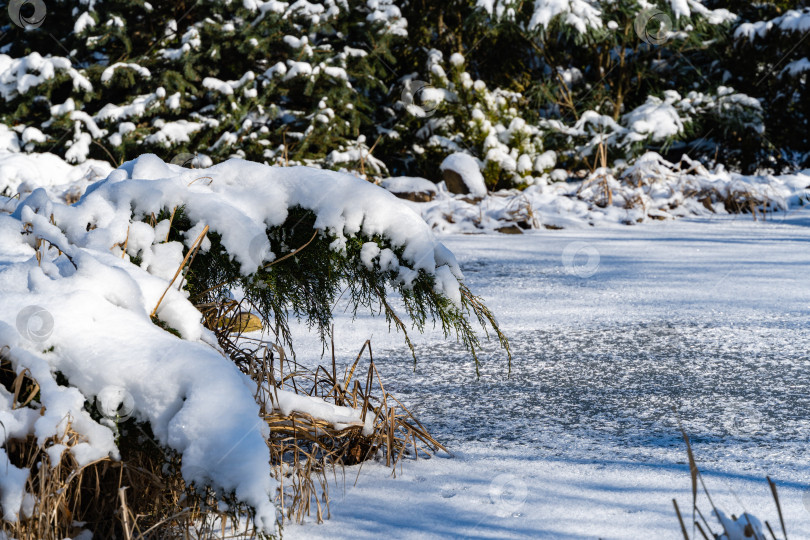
x: 95, y: 317
x: 23, y: 173
x: 239, y: 200
x: 74, y: 303
x: 740, y: 528
x: 652, y: 188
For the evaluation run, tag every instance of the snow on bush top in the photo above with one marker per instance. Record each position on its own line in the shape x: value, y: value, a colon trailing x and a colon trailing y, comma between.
x: 91, y: 323
x: 23, y: 173
x: 791, y: 21
x: 240, y: 200
x: 587, y: 14
x: 82, y: 309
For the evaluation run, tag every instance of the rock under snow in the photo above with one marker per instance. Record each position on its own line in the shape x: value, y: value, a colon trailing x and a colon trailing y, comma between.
x: 411, y: 188
x: 463, y: 176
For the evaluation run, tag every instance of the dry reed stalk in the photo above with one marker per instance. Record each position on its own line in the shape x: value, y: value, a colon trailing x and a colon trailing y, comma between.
x: 680, y: 519
x: 122, y: 493
x: 171, y: 219
x: 700, y: 530
x: 778, y: 506
x: 141, y: 497
x: 305, y: 449
x: 368, y: 154
x: 194, y: 247
x: 126, y: 243
x: 17, y: 386
x: 567, y: 98
x: 210, y: 180
x: 749, y: 529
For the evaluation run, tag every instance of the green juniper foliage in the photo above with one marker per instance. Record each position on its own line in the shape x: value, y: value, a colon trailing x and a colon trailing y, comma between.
x: 313, y: 277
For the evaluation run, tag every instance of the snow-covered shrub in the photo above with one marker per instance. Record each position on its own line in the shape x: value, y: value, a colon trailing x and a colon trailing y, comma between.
x: 514, y: 152
x: 770, y: 58
x: 268, y: 81
x: 106, y: 293
x: 544, y: 83
x: 471, y: 118
x: 524, y: 87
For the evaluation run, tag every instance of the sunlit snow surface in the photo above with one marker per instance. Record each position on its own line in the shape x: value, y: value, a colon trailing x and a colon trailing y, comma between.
x: 708, y: 316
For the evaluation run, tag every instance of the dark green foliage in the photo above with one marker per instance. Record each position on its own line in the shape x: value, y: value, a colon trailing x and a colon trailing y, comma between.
x: 278, y: 118
x: 309, y: 283
x: 757, y: 67
x: 166, y: 327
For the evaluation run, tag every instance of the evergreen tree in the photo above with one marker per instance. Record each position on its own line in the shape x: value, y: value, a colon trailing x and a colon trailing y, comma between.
x: 263, y: 81
x: 770, y: 58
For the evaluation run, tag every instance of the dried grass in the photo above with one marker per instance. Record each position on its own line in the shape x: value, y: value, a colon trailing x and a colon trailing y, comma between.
x: 143, y: 496
x: 698, y: 526
x: 308, y: 451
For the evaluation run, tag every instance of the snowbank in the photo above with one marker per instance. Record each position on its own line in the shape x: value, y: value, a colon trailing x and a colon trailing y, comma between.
x: 408, y: 184
x: 23, y: 173
x: 652, y: 188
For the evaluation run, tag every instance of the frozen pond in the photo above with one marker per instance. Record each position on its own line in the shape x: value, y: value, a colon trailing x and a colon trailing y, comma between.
x: 610, y: 329
x: 577, y: 392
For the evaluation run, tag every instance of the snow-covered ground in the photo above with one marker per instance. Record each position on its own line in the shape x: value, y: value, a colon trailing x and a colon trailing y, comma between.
x: 610, y: 326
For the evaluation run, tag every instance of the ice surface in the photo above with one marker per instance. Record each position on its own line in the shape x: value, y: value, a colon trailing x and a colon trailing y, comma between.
x: 707, y: 315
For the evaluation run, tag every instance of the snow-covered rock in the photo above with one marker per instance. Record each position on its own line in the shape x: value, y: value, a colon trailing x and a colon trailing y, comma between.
x: 411, y: 188
x: 463, y: 175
